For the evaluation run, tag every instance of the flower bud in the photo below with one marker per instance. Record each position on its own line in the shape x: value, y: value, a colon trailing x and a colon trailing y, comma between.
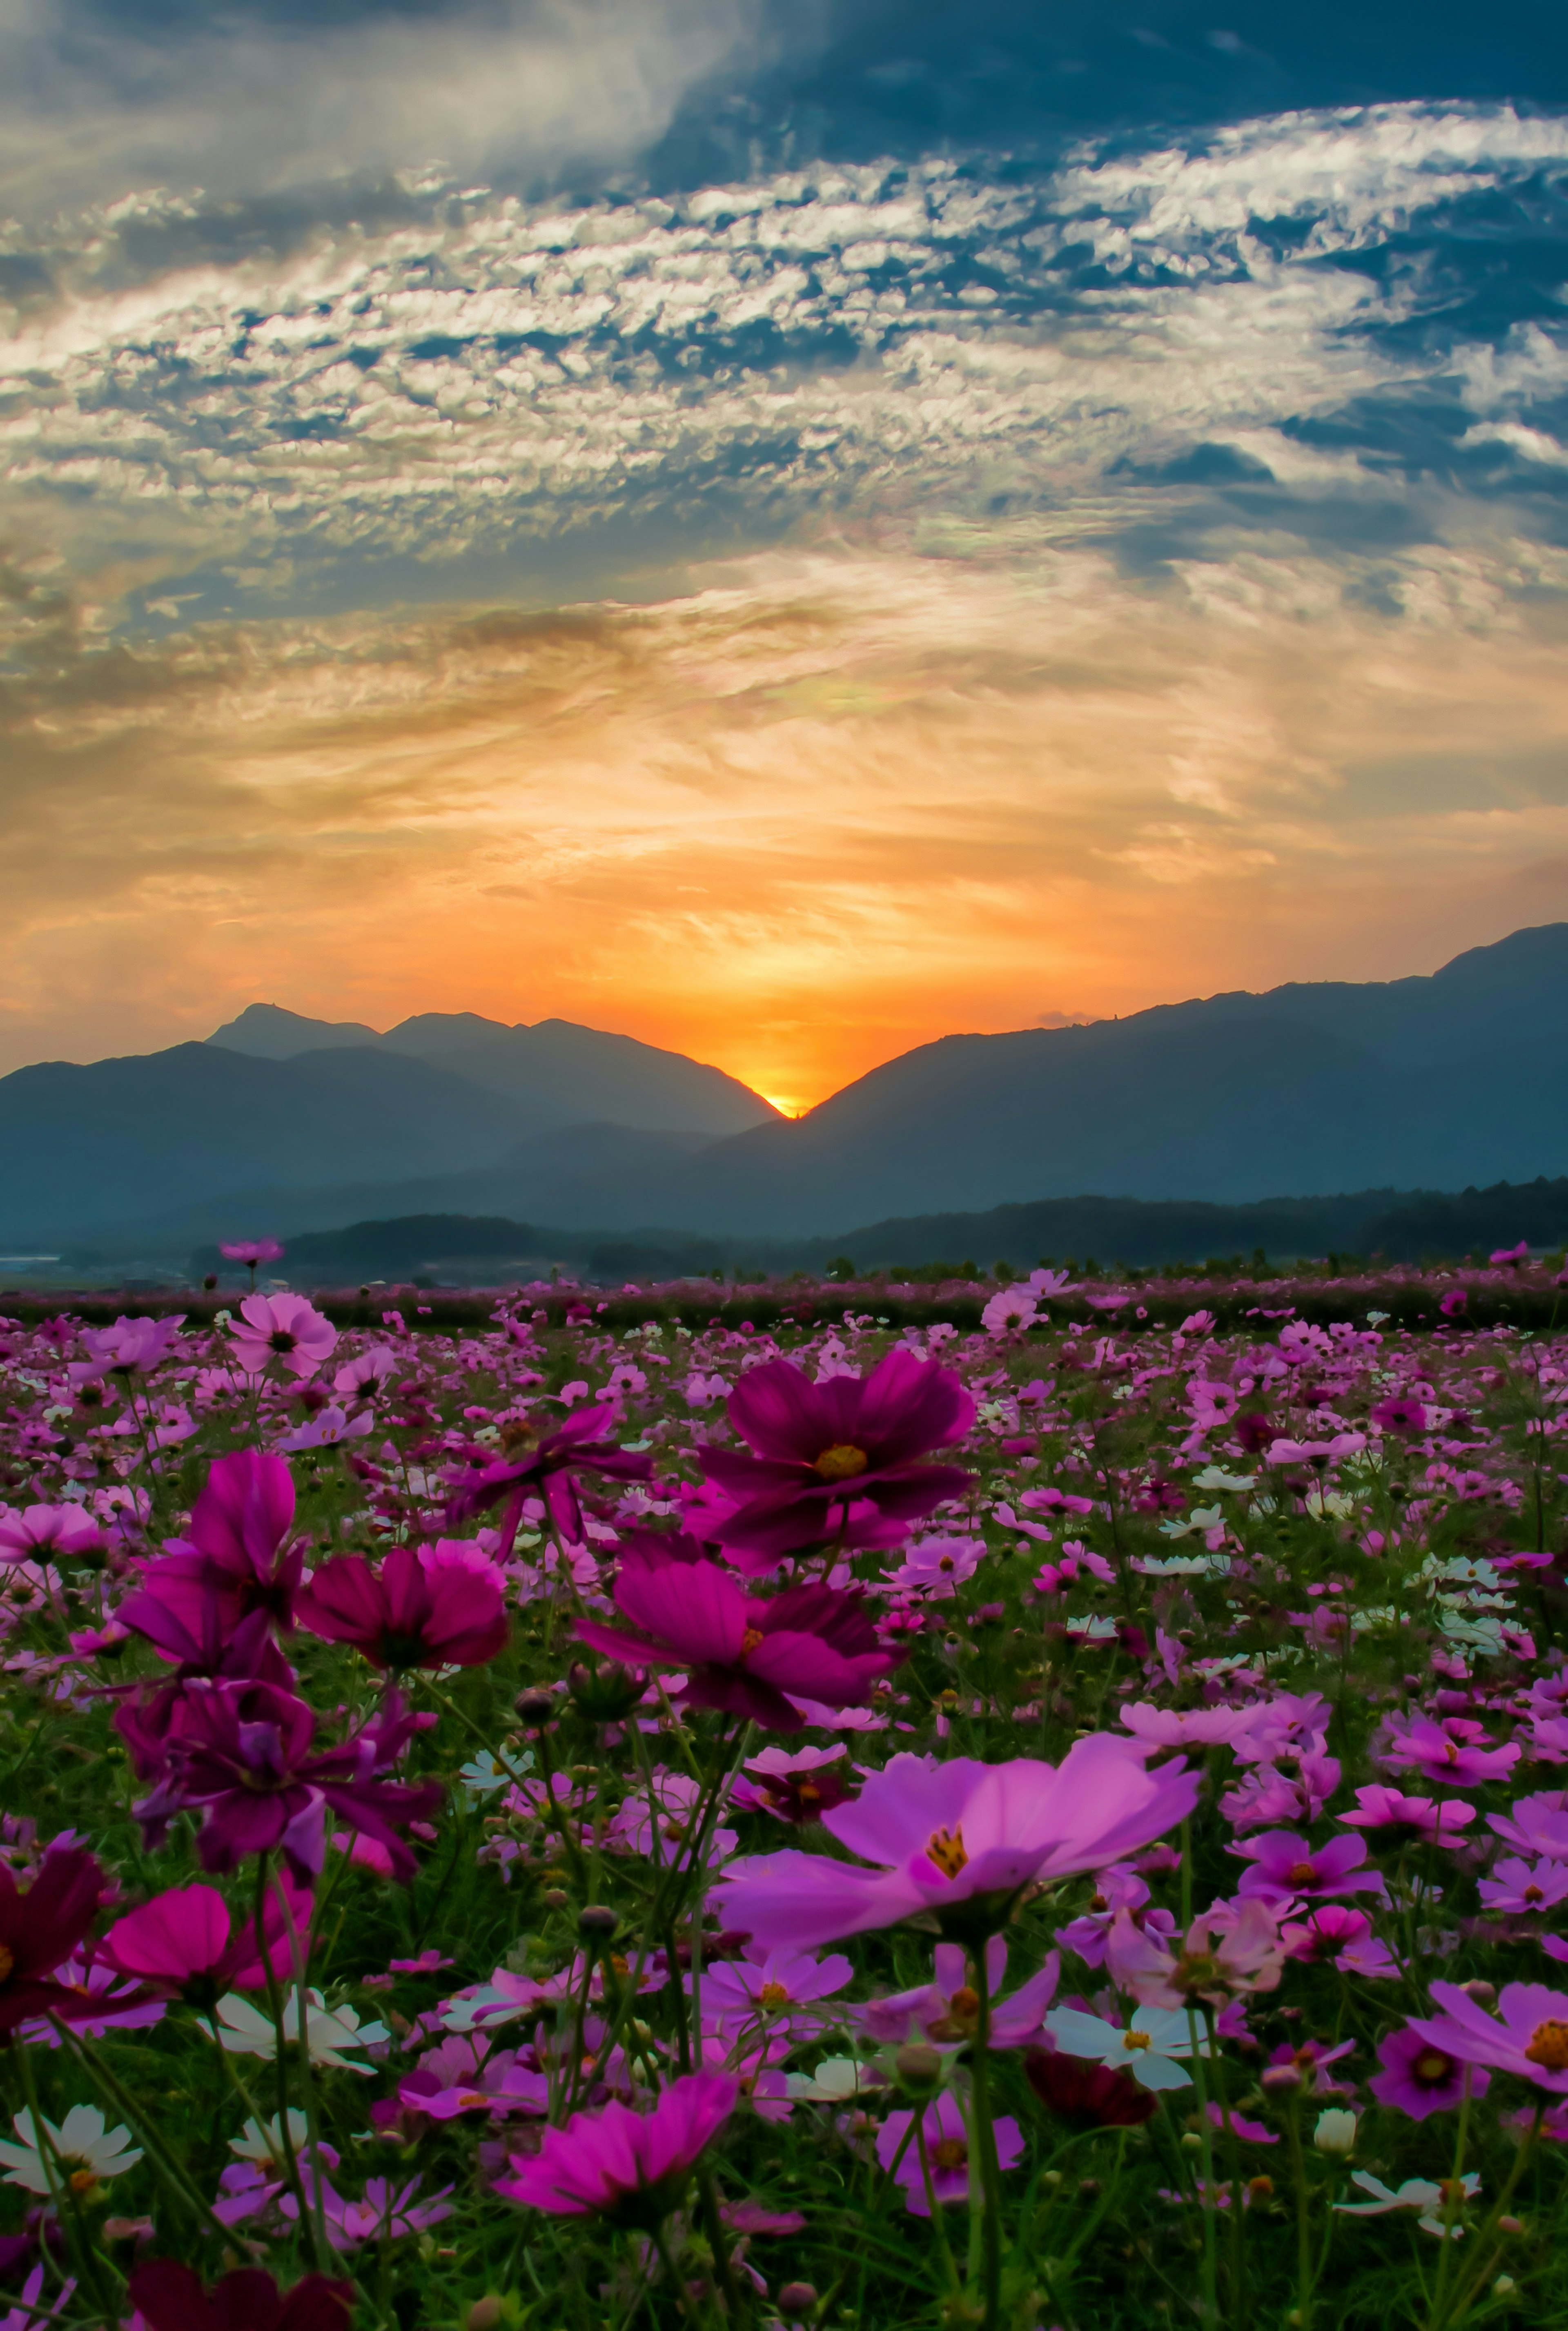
x: 484, y: 2313
x: 555, y: 1897
x: 918, y: 2065
x: 597, y: 1923
x: 607, y: 1693
x: 537, y: 1705
x: 1510, y: 2225
x: 797, y: 2298
x: 1485, y: 1994
x: 1335, y: 2131
x: 1279, y: 2079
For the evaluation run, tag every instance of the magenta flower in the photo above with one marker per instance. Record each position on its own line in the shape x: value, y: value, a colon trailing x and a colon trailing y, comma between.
x: 287, y: 1329
x: 50, y: 1534
x: 742, y: 1654
x: 957, y: 1843
x: 1529, y: 2036
x: 240, y: 1757
x: 39, y: 1930
x: 1388, y: 1818
x: 1420, y: 2077
x: 794, y: 1785
x: 413, y: 1612
x: 545, y: 1466
x: 820, y: 1449
x: 132, y: 1347
x: 629, y: 2166
x: 169, y: 2297
x: 462, y: 2074
x: 1284, y: 1865
x: 1335, y: 1931
x: 1537, y: 1824
x: 1523, y: 1888
x: 1455, y: 1752
x: 251, y: 1251
x: 947, y: 2152
x: 238, y: 1550
x: 185, y: 1943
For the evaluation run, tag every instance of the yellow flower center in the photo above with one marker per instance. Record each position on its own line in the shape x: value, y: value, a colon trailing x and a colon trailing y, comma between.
x: 950, y: 2153
x: 1302, y: 1875
x: 750, y: 1642
x: 842, y: 1462
x: 945, y: 1849
x: 1549, y: 2045
x: 1432, y: 2067
x: 8, y: 1961
x: 83, y: 2181
x: 1137, y: 2039
x: 773, y: 1994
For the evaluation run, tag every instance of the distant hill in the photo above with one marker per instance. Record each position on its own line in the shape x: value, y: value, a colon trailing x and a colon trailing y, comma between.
x: 555, y: 1073
x: 1399, y: 1226
x: 1426, y: 1084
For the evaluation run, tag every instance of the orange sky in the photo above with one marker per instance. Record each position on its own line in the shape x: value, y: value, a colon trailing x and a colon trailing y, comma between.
x: 819, y: 810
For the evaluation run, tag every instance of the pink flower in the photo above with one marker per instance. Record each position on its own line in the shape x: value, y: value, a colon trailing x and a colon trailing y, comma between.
x: 460, y: 2075
x: 793, y: 1785
x: 1390, y: 1819
x: 132, y: 1347
x: 251, y: 1251
x: 50, y: 1534
x: 238, y: 1550
x: 1455, y: 1751
x: 1420, y: 2077
x: 742, y: 1654
x: 1529, y: 2036
x: 287, y: 1329
x: 958, y: 1841
x: 819, y: 1449
x: 617, y: 2163
x: 1227, y: 1952
x: 414, y: 1612
x: 543, y: 1464
x: 946, y: 2011
x: 776, y: 1982
x: 1284, y: 1865
x: 1337, y: 1932
x: 185, y: 1943
x: 947, y: 2152
x: 1170, y: 1727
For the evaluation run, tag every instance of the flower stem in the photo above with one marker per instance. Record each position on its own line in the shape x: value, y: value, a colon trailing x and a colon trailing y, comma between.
x: 986, y: 2140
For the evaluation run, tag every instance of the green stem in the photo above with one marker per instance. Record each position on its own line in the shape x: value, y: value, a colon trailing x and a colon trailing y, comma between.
x: 990, y: 2170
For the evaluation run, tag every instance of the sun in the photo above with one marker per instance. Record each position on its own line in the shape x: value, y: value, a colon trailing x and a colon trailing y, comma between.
x: 787, y: 1105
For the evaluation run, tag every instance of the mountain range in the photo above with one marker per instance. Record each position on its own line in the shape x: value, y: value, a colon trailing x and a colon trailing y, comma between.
x: 288, y: 1124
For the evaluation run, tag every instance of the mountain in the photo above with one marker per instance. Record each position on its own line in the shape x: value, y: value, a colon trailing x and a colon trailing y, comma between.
x: 555, y: 1073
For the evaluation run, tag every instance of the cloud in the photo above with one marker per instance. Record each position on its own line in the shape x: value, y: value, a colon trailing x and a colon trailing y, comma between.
x: 816, y: 810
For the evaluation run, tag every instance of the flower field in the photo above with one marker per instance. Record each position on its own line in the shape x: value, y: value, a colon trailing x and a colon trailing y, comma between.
x: 1055, y: 1815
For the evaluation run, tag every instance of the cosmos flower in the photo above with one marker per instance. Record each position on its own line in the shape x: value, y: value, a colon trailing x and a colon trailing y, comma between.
x: 543, y: 1464
x: 818, y: 1448
x: 1146, y: 2049
x: 1528, y: 2035
x: 1419, y: 2078
x: 39, y: 1930
x: 1284, y: 1865
x: 413, y: 1612
x: 793, y: 1785
x: 947, y: 2152
x: 330, y: 2033
x: 957, y: 1843
x: 50, y: 1534
x: 1435, y: 2205
x: 285, y: 1328
x: 81, y: 2150
x: 630, y: 2167
x: 237, y: 1552
x: 1388, y: 1818
x: 1455, y: 1752
x: 185, y: 1943
x: 946, y: 2011
x: 742, y: 1653
x: 1086, y: 2094
x: 170, y: 2298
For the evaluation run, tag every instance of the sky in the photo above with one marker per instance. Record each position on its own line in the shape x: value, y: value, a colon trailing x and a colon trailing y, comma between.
x: 783, y: 529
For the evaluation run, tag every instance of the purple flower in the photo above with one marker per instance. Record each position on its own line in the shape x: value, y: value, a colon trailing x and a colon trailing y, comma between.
x: 50, y: 1534
x: 1522, y: 1887
x: 1421, y: 2076
x: 251, y: 1251
x: 958, y: 1841
x: 1537, y: 1824
x: 629, y: 2166
x: 240, y: 1757
x: 793, y: 1785
x: 1528, y: 2035
x: 132, y: 1347
x: 743, y: 1654
x: 543, y: 1465
x: 947, y: 2152
x: 1284, y: 1865
x: 819, y: 1449
x: 771, y: 1983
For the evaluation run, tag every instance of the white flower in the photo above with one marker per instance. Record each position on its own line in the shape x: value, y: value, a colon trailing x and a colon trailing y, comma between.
x: 265, y: 2146
x: 1146, y: 2047
x: 1417, y: 2194
x: 246, y: 2031
x: 1093, y: 1629
x: 482, y: 1776
x: 833, y: 2082
x: 1335, y: 2131
x: 1201, y: 1518
x: 1214, y: 1477
x: 85, y: 2152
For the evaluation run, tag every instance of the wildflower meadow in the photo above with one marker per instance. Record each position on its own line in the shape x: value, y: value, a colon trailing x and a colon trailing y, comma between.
x: 1050, y: 1816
